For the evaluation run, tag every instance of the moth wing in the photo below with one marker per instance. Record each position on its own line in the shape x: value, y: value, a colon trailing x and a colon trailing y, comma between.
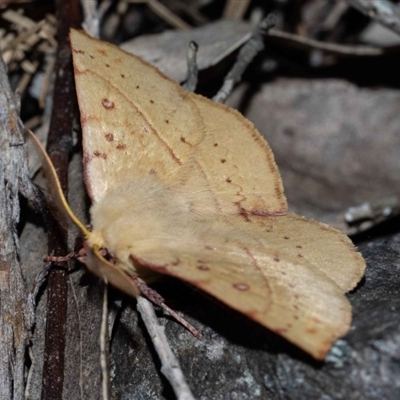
x: 110, y: 273
x: 235, y: 164
x: 297, y: 301
x: 326, y: 248
x: 136, y: 122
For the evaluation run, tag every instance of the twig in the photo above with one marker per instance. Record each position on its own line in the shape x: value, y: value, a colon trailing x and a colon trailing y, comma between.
x: 59, y: 142
x: 92, y: 15
x: 235, y: 10
x: 334, y: 48
x: 104, y: 364
x: 164, y: 13
x: 382, y: 11
x: 192, y: 71
x: 80, y: 337
x: 170, y: 365
x: 246, y: 55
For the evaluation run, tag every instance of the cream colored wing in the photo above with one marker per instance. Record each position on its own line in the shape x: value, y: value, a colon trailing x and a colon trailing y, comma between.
x: 272, y: 286
x: 111, y: 273
x: 138, y: 122
x: 326, y: 248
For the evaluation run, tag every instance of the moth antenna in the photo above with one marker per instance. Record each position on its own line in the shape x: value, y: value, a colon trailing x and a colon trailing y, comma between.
x: 54, y: 185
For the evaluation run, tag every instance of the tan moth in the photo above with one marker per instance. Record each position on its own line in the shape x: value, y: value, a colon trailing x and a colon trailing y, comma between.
x: 187, y: 187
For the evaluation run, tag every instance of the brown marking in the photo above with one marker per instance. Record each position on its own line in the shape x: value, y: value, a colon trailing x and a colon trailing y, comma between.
x: 263, y: 213
x: 215, y: 144
x: 299, y: 247
x: 108, y: 104
x: 159, y: 268
x: 300, y: 255
x: 78, y: 51
x: 208, y: 247
x: 276, y: 259
x: 152, y: 171
x: 203, y: 268
x: 183, y: 140
x: 286, y: 237
x: 137, y: 87
x: 223, y: 161
x: 122, y: 75
x: 97, y: 153
x: 91, y: 56
x: 243, y: 287
x: 311, y: 330
x: 167, y: 121
x: 228, y: 180
x: 102, y: 52
x: 108, y: 65
x: 243, y: 212
x: 152, y: 101
x: 109, y: 137
x: 121, y: 146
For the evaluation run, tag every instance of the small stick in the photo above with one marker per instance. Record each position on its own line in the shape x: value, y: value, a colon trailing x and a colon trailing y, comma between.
x: 157, y: 299
x: 382, y: 11
x: 246, y: 55
x: 105, y: 376
x: 170, y: 364
x: 192, y: 71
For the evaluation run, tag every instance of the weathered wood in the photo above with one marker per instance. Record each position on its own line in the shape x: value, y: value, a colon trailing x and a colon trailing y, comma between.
x: 13, y: 293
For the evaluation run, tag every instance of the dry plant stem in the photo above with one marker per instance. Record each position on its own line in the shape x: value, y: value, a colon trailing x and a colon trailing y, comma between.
x: 333, y: 48
x: 91, y: 19
x: 192, y: 72
x: 235, y: 9
x: 166, y: 14
x: 383, y: 11
x: 59, y: 143
x: 246, y: 55
x: 104, y: 364
x: 170, y: 365
x: 13, y: 294
x: 154, y: 297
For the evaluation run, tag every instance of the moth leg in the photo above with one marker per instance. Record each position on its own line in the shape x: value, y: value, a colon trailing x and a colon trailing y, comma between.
x: 157, y: 299
x: 61, y: 259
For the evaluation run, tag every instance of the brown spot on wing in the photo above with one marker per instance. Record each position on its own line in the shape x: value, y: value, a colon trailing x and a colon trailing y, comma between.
x: 101, y: 51
x: 109, y: 137
x: 107, y: 104
x: 98, y: 154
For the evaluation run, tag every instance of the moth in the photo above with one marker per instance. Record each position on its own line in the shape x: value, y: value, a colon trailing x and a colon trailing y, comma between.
x: 186, y: 187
